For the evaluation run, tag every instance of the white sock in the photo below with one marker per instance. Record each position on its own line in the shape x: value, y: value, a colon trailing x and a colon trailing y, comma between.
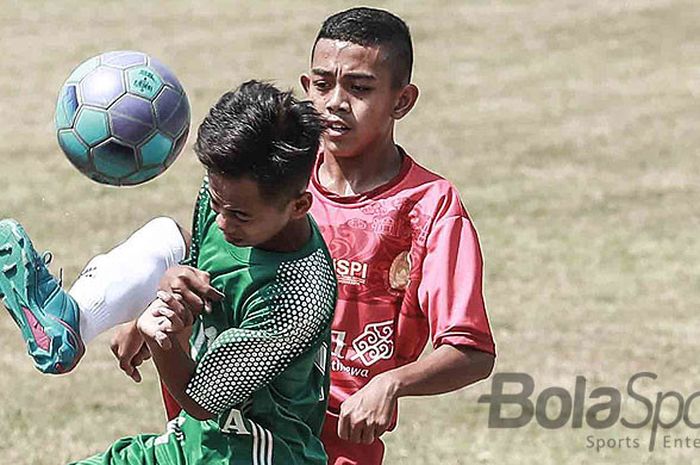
x: 117, y: 286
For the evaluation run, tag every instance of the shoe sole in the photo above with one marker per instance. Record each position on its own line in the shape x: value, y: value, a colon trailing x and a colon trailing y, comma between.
x: 48, y: 338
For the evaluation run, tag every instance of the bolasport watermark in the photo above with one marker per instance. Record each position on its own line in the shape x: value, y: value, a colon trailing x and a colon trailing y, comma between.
x: 513, y: 404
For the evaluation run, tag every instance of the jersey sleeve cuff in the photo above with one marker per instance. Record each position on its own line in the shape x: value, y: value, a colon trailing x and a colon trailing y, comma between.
x: 466, y: 340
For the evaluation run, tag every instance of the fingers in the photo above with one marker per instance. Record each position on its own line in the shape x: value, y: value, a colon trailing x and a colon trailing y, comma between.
x: 213, y: 294
x: 381, y: 429
x: 367, y: 434
x: 358, y: 425
x: 166, y: 326
x: 200, y: 281
x: 126, y: 365
x: 174, y: 312
x: 191, y: 300
x: 163, y: 340
x: 169, y: 324
x: 175, y: 302
x: 361, y: 432
x: 344, y: 426
x: 128, y: 348
x: 175, y: 323
x: 114, y: 347
x: 193, y: 285
x: 356, y: 431
x: 142, y: 355
x: 136, y: 375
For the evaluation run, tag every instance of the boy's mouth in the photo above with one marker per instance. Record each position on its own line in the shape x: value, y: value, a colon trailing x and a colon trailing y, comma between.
x: 336, y: 128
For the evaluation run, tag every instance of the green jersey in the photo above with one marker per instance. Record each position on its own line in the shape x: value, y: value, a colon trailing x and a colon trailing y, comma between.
x: 262, y: 362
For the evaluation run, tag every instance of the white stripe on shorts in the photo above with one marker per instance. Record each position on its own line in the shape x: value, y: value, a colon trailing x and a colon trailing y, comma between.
x: 262, y: 445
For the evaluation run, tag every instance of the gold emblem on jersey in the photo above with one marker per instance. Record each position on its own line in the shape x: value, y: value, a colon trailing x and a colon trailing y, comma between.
x: 399, y: 273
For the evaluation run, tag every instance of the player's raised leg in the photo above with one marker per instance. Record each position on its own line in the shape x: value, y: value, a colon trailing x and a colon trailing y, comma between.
x: 113, y: 288
x: 117, y: 286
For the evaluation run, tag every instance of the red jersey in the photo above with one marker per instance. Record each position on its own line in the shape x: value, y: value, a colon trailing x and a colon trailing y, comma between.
x: 409, y: 268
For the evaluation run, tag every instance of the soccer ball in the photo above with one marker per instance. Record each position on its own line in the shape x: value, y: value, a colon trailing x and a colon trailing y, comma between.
x: 122, y: 118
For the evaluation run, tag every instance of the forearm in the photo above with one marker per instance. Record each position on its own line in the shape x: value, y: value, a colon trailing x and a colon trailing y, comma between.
x: 446, y: 369
x: 176, y: 369
x: 367, y: 414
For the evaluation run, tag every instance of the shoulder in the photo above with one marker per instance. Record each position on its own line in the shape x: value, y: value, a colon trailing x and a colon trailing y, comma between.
x: 307, y: 277
x: 434, y: 194
x: 302, y: 287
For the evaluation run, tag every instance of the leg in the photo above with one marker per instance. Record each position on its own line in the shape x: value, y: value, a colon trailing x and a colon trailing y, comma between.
x: 113, y: 288
x: 116, y: 287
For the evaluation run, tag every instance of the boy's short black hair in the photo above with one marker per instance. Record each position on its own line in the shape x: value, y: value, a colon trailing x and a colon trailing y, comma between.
x: 263, y: 133
x: 373, y: 27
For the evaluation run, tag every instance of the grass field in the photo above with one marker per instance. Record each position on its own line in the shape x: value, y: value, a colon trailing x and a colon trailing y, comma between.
x: 570, y: 128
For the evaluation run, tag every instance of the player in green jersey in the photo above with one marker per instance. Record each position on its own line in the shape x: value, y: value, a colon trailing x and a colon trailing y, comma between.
x: 251, y: 372
x: 254, y: 388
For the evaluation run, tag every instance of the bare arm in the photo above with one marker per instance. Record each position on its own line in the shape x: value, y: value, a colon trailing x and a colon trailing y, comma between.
x: 367, y: 414
x: 174, y: 365
x: 176, y: 369
x: 445, y: 370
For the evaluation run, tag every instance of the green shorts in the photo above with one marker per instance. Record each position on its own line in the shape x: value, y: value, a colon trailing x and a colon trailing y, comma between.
x: 189, y: 441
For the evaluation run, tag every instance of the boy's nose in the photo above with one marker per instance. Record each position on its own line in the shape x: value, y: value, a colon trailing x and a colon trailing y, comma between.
x: 337, y: 100
x: 221, y: 222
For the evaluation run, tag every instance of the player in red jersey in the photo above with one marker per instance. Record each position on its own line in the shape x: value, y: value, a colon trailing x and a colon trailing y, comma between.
x: 406, y: 254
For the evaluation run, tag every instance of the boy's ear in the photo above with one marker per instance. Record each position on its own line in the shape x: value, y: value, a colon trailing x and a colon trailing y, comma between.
x: 301, y: 205
x: 305, y: 81
x: 406, y: 101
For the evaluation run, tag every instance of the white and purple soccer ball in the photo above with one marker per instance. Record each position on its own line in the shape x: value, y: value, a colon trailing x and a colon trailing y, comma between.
x: 122, y: 118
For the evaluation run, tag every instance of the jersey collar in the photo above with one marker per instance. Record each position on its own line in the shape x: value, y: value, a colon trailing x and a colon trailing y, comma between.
x: 406, y: 164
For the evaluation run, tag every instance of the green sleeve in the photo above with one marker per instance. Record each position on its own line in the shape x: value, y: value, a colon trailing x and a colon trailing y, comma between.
x: 286, y: 318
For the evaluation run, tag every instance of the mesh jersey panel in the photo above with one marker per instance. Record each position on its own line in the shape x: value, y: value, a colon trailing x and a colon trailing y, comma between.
x: 280, y: 328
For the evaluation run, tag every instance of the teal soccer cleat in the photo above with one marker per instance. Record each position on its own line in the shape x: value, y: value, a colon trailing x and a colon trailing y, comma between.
x: 48, y: 317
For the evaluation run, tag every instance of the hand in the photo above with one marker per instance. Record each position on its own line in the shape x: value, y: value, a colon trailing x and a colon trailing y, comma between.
x: 194, y: 288
x: 130, y: 349
x: 367, y: 414
x: 174, y: 310
x: 157, y: 323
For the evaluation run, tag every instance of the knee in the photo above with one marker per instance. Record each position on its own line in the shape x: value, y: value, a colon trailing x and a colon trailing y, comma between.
x: 160, y: 224
x: 165, y: 232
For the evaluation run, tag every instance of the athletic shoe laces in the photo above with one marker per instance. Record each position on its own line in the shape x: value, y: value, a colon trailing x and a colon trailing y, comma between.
x: 46, y: 259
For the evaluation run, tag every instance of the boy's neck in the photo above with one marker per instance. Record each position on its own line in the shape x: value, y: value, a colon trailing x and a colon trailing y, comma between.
x: 361, y: 173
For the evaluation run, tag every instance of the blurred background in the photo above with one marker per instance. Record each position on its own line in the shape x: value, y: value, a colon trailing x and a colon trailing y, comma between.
x: 569, y: 127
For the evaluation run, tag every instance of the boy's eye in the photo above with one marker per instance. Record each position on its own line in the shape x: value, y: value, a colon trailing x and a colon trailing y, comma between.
x: 361, y: 88
x: 320, y: 85
x: 240, y: 217
x: 237, y: 215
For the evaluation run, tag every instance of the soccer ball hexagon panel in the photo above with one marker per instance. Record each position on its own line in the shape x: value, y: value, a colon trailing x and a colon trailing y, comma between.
x: 122, y: 118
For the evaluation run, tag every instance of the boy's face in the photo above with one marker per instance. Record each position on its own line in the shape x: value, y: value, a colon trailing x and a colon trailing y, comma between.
x: 244, y: 216
x: 352, y: 87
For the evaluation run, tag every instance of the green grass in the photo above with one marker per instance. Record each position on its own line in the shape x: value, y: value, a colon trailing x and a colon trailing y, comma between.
x: 570, y: 128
